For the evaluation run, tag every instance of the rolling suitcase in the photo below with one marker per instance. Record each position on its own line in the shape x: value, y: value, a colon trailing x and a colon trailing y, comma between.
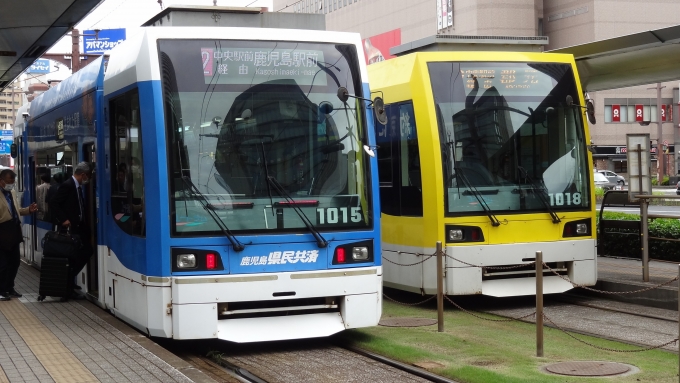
x: 54, y: 275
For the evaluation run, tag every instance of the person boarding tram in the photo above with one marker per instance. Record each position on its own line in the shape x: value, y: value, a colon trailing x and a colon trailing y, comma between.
x: 68, y: 208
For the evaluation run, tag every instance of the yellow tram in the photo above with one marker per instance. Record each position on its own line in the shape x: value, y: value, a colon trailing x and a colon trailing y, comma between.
x: 487, y: 152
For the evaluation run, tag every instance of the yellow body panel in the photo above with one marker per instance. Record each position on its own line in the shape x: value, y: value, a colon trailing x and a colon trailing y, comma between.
x: 407, y: 78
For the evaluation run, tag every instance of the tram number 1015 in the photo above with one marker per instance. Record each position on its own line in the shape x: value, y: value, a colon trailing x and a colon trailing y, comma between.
x: 333, y: 215
x: 565, y: 199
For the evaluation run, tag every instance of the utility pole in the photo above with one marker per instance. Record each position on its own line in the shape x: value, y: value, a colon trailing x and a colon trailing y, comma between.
x: 75, y: 50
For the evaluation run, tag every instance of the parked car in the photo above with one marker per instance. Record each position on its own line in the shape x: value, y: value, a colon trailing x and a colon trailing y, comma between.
x: 677, y: 188
x: 613, y: 177
x: 602, y: 182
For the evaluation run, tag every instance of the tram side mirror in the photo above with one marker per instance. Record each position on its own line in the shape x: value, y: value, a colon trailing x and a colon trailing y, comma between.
x: 590, y: 111
x: 246, y: 114
x: 379, y: 110
x: 14, y: 150
x: 343, y: 94
x: 590, y: 108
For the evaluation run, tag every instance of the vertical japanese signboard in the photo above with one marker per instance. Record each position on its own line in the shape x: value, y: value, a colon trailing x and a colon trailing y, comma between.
x: 444, y: 14
x: 616, y: 113
x: 638, y: 112
x: 663, y: 112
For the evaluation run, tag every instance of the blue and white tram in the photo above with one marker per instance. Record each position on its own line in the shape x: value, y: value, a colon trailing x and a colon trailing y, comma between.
x: 235, y: 194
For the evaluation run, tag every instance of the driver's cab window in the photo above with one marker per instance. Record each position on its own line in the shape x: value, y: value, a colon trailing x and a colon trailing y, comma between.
x: 127, y: 184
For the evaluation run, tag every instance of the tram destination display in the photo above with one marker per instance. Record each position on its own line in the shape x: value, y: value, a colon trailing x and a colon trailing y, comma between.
x: 257, y: 65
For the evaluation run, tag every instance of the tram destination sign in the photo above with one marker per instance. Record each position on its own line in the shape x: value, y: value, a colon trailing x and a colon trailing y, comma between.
x: 508, y: 80
x: 254, y: 66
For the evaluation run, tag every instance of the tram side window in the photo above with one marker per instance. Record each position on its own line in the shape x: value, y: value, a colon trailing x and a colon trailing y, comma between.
x: 399, y: 163
x: 127, y: 183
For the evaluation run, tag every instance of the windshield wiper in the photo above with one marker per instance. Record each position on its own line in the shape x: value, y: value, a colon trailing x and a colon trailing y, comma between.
x: 478, y: 196
x: 235, y: 243
x: 539, y: 192
x: 320, y: 240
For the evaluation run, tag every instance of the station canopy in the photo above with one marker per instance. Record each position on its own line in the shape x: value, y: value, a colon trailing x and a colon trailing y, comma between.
x: 28, y: 28
x: 637, y: 59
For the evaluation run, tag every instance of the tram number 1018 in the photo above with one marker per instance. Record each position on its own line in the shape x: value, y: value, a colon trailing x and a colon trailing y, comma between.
x: 334, y: 215
x: 565, y: 199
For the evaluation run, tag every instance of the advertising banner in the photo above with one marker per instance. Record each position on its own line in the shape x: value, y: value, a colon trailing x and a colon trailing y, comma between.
x: 105, y: 40
x: 616, y: 113
x: 377, y: 48
x: 444, y: 14
x: 638, y: 112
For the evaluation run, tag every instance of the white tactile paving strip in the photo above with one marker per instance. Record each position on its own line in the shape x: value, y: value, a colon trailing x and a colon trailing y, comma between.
x: 99, y: 352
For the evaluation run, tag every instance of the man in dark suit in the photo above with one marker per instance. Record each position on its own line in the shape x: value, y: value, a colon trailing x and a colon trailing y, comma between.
x: 68, y: 207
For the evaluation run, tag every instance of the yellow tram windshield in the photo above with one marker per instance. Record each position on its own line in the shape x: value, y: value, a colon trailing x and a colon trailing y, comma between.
x: 511, y: 135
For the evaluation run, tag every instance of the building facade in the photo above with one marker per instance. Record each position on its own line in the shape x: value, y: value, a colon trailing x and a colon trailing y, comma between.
x: 387, y: 23
x: 10, y: 101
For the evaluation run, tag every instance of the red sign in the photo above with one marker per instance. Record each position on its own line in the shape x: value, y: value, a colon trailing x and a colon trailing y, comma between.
x: 669, y: 112
x: 377, y: 48
x: 616, y: 113
x: 663, y: 112
x: 638, y: 112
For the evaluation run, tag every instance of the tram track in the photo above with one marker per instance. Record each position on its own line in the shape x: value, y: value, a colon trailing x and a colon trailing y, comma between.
x: 295, y: 361
x: 636, y: 325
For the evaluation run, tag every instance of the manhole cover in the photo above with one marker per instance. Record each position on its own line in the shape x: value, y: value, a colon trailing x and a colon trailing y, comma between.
x: 407, y: 322
x: 588, y: 368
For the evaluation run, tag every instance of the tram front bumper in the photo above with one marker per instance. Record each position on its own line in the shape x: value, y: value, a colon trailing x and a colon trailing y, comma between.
x: 578, y: 256
x: 276, y: 306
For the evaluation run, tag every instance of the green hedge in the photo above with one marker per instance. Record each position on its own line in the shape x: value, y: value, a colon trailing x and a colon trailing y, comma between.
x: 626, y: 243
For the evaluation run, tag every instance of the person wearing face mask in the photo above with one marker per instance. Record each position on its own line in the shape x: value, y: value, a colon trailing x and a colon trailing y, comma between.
x: 69, y: 210
x: 11, y: 234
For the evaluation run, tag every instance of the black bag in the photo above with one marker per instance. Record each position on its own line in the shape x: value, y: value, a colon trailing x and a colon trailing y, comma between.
x: 54, y: 278
x: 61, y: 245
x: 10, y: 235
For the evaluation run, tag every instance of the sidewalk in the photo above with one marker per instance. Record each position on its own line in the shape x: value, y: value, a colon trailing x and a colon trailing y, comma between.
x: 624, y: 274
x: 76, y: 341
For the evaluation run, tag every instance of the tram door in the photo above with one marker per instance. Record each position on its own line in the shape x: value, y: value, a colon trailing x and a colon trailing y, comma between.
x: 91, y: 208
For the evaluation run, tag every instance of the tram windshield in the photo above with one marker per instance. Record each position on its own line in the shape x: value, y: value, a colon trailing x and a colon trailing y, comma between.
x: 257, y: 127
x: 509, y: 136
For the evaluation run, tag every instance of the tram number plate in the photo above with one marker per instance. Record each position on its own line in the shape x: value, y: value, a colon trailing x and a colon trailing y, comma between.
x: 338, y: 215
x: 565, y: 199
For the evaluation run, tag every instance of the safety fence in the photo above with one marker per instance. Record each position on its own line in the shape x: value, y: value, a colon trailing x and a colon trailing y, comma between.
x: 538, y: 314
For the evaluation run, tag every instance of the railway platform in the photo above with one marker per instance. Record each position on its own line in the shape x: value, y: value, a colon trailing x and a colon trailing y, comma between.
x: 625, y: 274
x: 76, y: 341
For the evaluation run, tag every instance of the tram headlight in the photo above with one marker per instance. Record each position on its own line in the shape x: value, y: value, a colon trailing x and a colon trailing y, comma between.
x: 360, y: 253
x: 455, y: 235
x: 357, y: 252
x: 461, y: 233
x: 186, y: 261
x: 580, y: 228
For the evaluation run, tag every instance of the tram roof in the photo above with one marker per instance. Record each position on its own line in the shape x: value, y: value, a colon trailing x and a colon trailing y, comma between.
x: 636, y: 59
x: 28, y: 28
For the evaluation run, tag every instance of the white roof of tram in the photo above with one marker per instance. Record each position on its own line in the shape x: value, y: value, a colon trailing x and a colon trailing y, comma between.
x: 637, y: 59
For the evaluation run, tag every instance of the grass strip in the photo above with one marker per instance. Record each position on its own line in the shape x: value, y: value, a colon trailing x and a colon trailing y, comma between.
x: 477, y: 351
